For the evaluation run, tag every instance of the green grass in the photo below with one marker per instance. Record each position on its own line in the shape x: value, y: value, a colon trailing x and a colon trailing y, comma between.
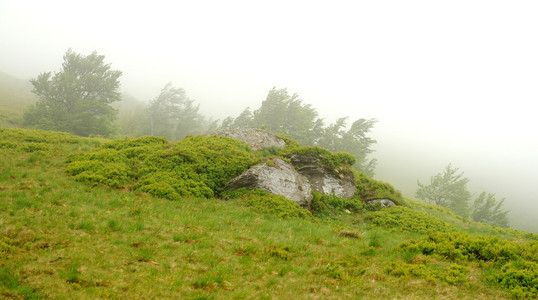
x: 60, y: 238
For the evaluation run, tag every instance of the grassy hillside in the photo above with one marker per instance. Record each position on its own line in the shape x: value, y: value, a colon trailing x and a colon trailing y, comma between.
x: 15, y: 96
x: 62, y: 238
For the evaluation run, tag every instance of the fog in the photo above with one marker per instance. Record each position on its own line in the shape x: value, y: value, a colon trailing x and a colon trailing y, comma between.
x: 449, y: 82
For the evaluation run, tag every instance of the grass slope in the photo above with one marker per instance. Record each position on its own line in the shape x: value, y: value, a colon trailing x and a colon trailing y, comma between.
x: 60, y: 238
x: 15, y: 96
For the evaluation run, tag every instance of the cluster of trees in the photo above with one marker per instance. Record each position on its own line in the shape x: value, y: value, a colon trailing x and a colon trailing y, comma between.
x: 79, y: 99
x: 287, y: 115
x: 449, y: 189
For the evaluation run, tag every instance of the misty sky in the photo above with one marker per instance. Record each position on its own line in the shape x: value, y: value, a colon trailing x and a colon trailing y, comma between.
x: 448, y: 81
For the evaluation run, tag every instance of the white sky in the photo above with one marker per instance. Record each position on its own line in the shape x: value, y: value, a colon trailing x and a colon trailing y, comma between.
x: 449, y: 81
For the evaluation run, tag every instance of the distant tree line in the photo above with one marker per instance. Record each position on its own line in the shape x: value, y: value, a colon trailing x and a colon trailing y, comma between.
x: 80, y: 99
x: 449, y: 189
x: 287, y: 115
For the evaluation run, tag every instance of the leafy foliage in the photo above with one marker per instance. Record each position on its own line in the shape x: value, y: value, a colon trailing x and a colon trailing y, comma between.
x: 354, y: 140
x: 77, y: 99
x: 264, y: 202
x: 519, y: 260
x: 447, y: 189
x: 487, y: 209
x: 197, y: 166
x: 287, y: 115
x: 333, y: 162
x: 405, y: 219
x: 331, y: 205
x: 368, y: 189
x: 173, y: 115
x: 465, y: 247
x: 520, y: 278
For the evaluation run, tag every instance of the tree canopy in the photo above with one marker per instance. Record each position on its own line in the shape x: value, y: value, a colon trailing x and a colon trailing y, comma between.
x: 286, y: 114
x: 76, y: 99
x: 487, y: 209
x: 447, y: 189
x: 173, y: 115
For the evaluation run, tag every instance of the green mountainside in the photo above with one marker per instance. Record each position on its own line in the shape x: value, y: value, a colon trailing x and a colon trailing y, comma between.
x: 95, y: 218
x: 15, y: 96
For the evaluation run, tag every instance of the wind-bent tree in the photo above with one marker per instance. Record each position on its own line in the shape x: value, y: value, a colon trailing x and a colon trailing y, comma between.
x: 77, y: 99
x: 173, y: 114
x: 447, y: 189
x: 487, y: 209
x: 336, y: 137
x: 286, y: 114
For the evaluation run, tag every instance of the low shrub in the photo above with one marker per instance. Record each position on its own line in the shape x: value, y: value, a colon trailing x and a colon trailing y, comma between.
x: 333, y: 162
x: 264, y: 202
x: 455, y: 274
x: 520, y: 278
x: 197, y: 166
x: 368, y: 189
x: 400, y: 218
x: 331, y: 205
x: 465, y: 247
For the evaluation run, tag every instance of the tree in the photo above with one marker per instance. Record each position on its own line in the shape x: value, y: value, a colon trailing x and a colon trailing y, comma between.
x: 447, y: 189
x: 487, y: 209
x: 336, y: 137
x: 285, y: 114
x: 173, y: 114
x: 77, y: 99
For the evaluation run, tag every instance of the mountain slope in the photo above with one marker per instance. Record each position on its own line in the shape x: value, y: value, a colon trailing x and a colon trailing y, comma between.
x: 15, y: 96
x: 61, y: 238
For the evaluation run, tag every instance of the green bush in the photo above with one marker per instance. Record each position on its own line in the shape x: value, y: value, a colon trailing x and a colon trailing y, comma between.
x: 264, y: 202
x: 455, y: 274
x: 520, y: 278
x: 369, y: 189
x: 331, y: 205
x: 197, y: 166
x: 333, y: 162
x: 400, y: 218
x: 458, y: 246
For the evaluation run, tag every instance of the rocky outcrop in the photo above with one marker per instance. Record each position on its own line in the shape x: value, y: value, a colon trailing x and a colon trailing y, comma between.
x: 276, y: 176
x: 257, y: 139
x: 341, y: 185
x: 382, y: 202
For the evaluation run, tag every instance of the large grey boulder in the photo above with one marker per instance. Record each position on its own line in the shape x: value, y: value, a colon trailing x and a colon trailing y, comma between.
x: 341, y: 185
x: 257, y: 139
x: 276, y: 176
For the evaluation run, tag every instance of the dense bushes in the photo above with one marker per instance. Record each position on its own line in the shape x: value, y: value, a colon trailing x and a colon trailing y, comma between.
x: 331, y: 205
x: 405, y: 219
x: 197, y: 166
x: 368, y: 189
x: 333, y: 162
x: 264, y: 202
x: 517, y: 260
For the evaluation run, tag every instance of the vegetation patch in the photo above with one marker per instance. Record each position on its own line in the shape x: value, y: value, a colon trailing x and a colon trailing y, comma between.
x: 264, y: 202
x: 331, y: 205
x: 520, y: 278
x: 518, y: 261
x: 369, y: 189
x: 455, y: 274
x: 457, y: 246
x: 333, y: 162
x: 400, y: 218
x: 197, y: 166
